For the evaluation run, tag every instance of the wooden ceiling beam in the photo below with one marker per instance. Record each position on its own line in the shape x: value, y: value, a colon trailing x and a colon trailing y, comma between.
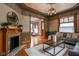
x: 24, y: 7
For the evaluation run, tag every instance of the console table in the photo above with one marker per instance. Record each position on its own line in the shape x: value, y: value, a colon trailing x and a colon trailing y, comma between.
x: 53, y: 45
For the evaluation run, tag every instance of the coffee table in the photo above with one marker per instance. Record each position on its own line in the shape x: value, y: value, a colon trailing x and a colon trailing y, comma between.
x: 53, y: 45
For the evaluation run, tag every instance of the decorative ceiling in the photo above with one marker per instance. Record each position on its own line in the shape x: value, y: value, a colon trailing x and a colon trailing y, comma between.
x: 44, y: 7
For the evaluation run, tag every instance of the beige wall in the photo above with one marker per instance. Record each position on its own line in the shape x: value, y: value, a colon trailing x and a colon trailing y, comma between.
x: 26, y: 23
x: 78, y: 21
x: 4, y: 9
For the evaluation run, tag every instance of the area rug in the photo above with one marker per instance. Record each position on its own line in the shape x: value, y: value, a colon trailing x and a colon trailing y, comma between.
x: 38, y: 51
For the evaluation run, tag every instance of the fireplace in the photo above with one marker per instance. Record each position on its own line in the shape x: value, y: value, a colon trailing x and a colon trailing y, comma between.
x: 13, y: 43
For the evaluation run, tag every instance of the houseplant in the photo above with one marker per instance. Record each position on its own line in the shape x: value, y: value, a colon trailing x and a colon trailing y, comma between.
x: 5, y: 24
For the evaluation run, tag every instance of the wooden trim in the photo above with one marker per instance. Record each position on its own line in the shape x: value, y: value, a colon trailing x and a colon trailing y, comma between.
x: 1, y: 42
x: 30, y: 28
x: 4, y: 42
x: 24, y: 7
x: 38, y: 25
x: 43, y: 30
x: 75, y: 22
x: 58, y: 24
x: 22, y: 53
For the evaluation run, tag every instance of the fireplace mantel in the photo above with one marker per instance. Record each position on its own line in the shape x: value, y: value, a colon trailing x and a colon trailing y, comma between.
x: 5, y: 32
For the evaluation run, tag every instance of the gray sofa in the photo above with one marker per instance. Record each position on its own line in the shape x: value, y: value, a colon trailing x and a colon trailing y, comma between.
x: 75, y: 51
x: 70, y: 38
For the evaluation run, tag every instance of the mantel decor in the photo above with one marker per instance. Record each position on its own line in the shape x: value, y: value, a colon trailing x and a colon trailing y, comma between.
x: 5, y: 24
x: 12, y: 18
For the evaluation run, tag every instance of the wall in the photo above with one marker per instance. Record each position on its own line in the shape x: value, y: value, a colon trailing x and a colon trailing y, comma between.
x: 26, y: 23
x: 25, y: 12
x: 78, y: 21
x: 53, y: 25
x: 4, y: 9
x: 23, y: 19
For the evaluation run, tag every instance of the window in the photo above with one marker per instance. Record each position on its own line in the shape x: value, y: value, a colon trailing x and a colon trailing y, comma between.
x: 65, y: 19
x: 66, y: 24
x: 61, y: 20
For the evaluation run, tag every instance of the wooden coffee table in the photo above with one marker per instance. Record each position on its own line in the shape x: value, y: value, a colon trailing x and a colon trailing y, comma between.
x: 53, y: 45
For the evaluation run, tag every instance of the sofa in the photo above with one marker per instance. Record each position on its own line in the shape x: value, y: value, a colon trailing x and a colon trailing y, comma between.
x: 74, y: 51
x: 69, y: 38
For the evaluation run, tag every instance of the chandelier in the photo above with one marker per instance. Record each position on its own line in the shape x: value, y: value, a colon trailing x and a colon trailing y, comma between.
x: 51, y: 10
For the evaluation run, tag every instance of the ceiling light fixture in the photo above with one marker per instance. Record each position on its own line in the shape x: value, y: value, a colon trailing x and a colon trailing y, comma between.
x: 51, y: 10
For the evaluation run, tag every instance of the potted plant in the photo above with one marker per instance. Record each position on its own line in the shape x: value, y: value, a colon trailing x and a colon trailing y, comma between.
x: 5, y: 24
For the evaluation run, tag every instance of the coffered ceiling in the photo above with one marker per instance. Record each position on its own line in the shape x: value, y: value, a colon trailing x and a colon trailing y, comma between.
x: 44, y: 7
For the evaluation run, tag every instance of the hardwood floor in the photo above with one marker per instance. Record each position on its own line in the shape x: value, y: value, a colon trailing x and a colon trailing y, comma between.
x: 22, y: 53
x: 41, y: 40
x: 36, y: 40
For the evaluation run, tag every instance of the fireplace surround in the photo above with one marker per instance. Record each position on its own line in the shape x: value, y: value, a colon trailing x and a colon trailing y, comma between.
x: 13, y: 42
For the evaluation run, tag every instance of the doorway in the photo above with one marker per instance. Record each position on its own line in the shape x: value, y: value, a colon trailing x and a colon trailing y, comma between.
x: 34, y: 28
x: 37, y: 28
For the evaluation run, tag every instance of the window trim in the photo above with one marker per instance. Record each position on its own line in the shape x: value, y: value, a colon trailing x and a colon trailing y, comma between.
x: 67, y: 22
x: 68, y: 19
